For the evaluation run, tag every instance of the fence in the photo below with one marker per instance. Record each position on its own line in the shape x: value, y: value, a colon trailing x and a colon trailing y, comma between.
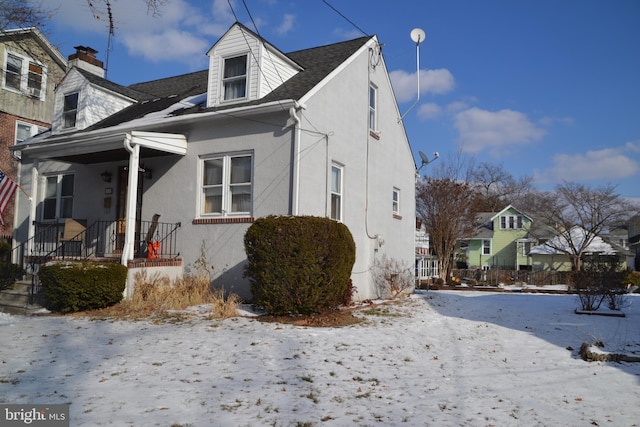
x: 531, y: 278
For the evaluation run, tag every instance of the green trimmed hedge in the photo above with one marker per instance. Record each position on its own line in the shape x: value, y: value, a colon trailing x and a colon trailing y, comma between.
x: 77, y: 286
x: 299, y: 265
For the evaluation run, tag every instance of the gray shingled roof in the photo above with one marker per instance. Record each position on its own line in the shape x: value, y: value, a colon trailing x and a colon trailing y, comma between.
x: 114, y: 87
x: 317, y: 62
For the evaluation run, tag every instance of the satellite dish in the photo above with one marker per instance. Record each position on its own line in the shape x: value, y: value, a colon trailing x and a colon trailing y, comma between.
x: 417, y: 35
x: 424, y: 158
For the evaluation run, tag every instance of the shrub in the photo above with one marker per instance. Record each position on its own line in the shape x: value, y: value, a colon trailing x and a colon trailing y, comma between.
x: 392, y: 278
x: 299, y: 265
x: 77, y: 286
x: 9, y: 272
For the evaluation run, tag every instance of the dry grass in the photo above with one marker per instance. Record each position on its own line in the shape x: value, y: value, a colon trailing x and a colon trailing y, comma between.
x: 158, y: 295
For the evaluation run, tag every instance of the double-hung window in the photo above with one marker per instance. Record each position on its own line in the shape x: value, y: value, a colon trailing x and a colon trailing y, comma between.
x: 58, y: 197
x: 23, y: 75
x: 486, y: 247
x: 396, y: 202
x: 373, y: 105
x: 511, y: 222
x: 13, y: 72
x: 336, y: 192
x: 70, y: 110
x: 227, y: 188
x: 234, y: 80
x: 24, y: 131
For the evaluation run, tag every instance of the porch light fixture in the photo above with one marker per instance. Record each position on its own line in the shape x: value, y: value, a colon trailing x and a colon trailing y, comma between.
x: 106, y: 176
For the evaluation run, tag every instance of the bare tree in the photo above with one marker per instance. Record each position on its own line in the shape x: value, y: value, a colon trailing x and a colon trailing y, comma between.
x: 448, y: 206
x: 500, y: 188
x: 579, y: 213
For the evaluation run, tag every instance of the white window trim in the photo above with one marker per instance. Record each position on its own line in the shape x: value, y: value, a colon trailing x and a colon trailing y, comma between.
x: 222, y: 79
x: 518, y: 222
x: 339, y: 193
x: 226, y: 185
x: 77, y: 110
x: 396, y: 201
x: 373, y: 111
x: 490, y: 246
x: 24, y: 76
x: 33, y: 130
x: 58, y: 197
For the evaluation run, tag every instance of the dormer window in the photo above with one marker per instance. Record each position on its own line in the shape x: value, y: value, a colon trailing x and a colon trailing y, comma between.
x: 70, y: 110
x: 234, y: 81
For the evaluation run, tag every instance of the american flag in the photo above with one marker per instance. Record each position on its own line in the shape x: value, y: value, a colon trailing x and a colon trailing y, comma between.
x: 7, y: 189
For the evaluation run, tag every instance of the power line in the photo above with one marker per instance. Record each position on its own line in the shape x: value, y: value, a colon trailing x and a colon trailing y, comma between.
x: 343, y: 16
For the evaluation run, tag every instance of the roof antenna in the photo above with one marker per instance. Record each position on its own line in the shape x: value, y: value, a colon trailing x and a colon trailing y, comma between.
x: 418, y: 36
x: 111, y: 31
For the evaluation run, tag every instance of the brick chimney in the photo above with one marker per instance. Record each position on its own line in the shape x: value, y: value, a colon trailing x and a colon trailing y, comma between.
x: 85, y: 58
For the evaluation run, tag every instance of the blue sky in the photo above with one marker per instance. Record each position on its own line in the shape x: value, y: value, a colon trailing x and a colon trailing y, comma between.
x: 545, y: 88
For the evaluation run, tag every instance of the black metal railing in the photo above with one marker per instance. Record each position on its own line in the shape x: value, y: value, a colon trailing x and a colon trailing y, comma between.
x: 102, y: 240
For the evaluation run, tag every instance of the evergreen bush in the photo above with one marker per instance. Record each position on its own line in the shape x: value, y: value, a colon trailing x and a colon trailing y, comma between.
x: 77, y: 286
x: 299, y: 265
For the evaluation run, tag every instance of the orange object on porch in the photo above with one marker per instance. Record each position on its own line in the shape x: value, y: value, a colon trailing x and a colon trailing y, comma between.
x: 153, y: 250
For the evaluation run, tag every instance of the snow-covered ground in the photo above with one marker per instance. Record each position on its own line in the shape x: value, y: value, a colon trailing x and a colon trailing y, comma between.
x: 440, y: 358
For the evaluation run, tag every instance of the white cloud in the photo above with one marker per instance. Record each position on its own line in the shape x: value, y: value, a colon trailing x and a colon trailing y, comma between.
x: 608, y: 163
x: 481, y: 129
x: 287, y: 24
x: 154, y: 47
x: 431, y: 81
x: 429, y: 111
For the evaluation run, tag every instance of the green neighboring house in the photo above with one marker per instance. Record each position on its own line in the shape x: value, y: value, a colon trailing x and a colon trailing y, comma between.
x: 502, y: 241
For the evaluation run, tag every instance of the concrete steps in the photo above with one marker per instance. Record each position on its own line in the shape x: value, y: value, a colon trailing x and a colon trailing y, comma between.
x: 16, y: 300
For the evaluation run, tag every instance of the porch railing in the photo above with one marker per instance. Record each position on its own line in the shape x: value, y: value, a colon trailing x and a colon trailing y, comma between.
x: 101, y: 240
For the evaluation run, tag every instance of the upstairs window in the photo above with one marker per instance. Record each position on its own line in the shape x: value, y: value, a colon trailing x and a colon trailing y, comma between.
x: 227, y: 185
x: 336, y: 192
x: 24, y: 75
x: 234, y: 80
x: 373, y: 105
x: 24, y: 131
x: 34, y: 80
x: 511, y: 222
x: 13, y: 71
x: 396, y: 201
x: 70, y: 110
x: 58, y: 198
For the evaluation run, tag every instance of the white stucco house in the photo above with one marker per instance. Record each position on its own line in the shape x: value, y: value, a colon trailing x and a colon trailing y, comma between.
x: 189, y: 162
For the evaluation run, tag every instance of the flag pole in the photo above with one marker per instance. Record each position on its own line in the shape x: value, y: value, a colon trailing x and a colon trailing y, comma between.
x: 25, y: 193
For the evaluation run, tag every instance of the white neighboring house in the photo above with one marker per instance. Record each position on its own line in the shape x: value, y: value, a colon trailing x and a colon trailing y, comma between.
x: 188, y: 162
x: 553, y: 254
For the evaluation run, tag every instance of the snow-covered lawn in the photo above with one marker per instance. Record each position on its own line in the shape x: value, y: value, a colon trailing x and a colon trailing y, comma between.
x: 437, y: 359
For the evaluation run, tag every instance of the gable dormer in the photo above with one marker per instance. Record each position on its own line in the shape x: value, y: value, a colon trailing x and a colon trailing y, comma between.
x: 84, y: 96
x: 244, y: 67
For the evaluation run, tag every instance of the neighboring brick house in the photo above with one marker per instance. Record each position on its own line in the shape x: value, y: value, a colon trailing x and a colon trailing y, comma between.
x: 31, y: 69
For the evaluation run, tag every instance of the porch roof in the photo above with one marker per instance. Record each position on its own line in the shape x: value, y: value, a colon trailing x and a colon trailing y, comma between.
x: 98, y: 148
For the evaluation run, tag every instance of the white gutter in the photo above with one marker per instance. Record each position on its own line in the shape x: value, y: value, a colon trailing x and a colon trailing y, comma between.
x: 132, y: 194
x: 295, y: 191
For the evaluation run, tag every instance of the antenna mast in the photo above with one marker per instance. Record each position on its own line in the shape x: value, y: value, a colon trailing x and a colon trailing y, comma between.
x: 418, y: 36
x: 111, y: 31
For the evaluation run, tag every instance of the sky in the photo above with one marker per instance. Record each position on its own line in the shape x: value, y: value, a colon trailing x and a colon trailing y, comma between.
x: 544, y: 88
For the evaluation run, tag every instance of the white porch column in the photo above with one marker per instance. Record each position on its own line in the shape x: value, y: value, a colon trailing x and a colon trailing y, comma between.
x: 33, y: 204
x: 132, y: 195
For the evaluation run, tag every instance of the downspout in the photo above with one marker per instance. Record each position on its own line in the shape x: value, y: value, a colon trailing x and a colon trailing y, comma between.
x: 132, y: 195
x: 296, y: 158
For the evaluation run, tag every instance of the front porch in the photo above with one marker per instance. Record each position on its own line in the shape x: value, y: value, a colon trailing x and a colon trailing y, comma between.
x: 155, y: 246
